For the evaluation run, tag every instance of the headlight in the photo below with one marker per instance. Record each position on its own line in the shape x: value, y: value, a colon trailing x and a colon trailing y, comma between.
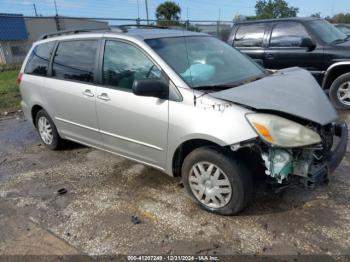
x: 282, y: 132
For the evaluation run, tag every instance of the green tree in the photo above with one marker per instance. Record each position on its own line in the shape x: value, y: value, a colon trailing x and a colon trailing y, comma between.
x: 168, y: 11
x: 266, y: 9
x: 341, y: 18
x: 318, y: 15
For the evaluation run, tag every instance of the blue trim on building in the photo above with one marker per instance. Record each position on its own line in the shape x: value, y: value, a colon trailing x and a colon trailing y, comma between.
x: 12, y: 27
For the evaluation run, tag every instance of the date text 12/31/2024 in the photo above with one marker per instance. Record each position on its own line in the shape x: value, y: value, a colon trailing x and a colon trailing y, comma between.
x: 173, y: 258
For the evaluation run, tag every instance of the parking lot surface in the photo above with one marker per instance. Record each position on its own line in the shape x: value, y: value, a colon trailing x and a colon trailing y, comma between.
x: 101, y: 193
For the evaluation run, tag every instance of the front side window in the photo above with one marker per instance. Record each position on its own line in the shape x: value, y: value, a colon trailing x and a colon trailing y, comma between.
x: 39, y: 59
x: 250, y: 35
x: 75, y: 60
x: 205, y: 61
x: 124, y: 63
x: 327, y: 32
x: 288, y: 34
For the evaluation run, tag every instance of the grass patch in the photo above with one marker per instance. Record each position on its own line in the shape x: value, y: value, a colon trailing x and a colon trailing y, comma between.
x: 10, y: 97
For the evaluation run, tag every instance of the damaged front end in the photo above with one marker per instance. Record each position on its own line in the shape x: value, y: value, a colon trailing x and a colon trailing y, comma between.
x: 305, y: 166
x: 308, y: 165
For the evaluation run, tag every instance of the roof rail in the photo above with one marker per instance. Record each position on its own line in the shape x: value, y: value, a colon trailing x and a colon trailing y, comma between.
x: 120, y: 28
x: 73, y: 31
x: 126, y: 26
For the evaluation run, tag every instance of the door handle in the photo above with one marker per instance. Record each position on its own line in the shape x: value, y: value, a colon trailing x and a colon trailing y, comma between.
x: 270, y: 56
x: 88, y: 93
x: 104, y: 97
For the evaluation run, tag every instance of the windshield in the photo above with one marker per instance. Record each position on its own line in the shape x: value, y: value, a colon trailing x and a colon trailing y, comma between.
x: 205, y: 61
x: 326, y: 31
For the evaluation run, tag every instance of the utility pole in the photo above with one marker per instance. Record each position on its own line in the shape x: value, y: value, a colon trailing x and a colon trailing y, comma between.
x: 218, y: 25
x: 187, y: 22
x: 138, y: 9
x: 147, y: 12
x: 55, y: 7
x: 36, y: 14
x: 57, y: 21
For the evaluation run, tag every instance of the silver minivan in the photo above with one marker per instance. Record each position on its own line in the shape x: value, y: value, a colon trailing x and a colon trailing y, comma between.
x: 186, y: 104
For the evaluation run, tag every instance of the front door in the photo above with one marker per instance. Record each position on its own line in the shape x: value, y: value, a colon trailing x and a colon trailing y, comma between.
x: 284, y: 48
x: 133, y: 126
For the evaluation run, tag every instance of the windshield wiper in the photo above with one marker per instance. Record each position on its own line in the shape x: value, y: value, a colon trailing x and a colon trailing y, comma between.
x: 232, y: 84
x: 212, y: 87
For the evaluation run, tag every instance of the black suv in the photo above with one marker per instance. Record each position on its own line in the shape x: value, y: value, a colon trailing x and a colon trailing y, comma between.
x: 310, y: 43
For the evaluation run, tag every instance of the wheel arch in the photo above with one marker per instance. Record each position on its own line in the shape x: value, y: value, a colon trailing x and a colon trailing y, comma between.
x: 334, y: 71
x: 34, y: 111
x: 185, y: 148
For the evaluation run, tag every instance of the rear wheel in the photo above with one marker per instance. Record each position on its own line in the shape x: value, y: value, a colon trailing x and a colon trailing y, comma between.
x: 217, y: 182
x: 47, y: 131
x: 340, y: 92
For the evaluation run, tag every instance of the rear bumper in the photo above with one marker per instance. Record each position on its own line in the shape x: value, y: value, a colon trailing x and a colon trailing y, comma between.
x: 338, y: 153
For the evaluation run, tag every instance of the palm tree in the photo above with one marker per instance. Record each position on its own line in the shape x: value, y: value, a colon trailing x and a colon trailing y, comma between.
x: 167, y: 12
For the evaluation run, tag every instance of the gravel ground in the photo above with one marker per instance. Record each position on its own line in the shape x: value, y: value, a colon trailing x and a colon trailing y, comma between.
x: 104, y: 191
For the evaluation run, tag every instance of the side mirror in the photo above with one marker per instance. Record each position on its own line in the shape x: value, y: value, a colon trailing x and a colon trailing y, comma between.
x: 308, y: 42
x: 151, y: 87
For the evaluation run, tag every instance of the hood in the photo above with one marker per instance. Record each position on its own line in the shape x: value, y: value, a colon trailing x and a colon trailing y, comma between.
x: 292, y: 91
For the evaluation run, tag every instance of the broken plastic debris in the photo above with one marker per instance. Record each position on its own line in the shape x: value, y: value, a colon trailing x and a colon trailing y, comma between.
x: 135, y: 220
x: 62, y: 191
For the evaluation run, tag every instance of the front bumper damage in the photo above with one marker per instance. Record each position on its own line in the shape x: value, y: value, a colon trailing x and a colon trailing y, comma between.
x: 309, y: 166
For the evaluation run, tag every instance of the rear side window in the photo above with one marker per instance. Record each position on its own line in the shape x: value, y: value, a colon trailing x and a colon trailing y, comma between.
x: 251, y: 35
x: 75, y: 60
x: 288, y: 34
x: 39, y: 59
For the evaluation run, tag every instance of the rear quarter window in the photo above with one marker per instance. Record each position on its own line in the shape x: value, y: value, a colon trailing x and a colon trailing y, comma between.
x: 39, y: 59
x: 251, y: 35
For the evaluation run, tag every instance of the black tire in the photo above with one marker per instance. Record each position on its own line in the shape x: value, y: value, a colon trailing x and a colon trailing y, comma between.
x: 238, y: 176
x: 334, y: 90
x: 57, y: 141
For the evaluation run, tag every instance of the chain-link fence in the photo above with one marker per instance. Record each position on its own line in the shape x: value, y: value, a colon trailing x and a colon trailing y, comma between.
x: 218, y: 29
x: 14, y: 50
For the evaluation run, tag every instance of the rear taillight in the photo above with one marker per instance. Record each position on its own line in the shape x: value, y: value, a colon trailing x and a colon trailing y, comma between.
x: 19, y: 79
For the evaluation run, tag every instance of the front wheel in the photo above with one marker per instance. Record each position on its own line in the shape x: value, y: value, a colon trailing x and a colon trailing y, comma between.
x: 217, y: 182
x: 340, y: 92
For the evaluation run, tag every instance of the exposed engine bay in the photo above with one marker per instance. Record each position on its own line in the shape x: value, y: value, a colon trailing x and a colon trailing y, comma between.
x: 303, y: 165
x: 309, y: 164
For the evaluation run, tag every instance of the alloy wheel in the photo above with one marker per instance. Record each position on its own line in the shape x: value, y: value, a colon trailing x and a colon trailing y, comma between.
x: 343, y: 93
x: 45, y: 130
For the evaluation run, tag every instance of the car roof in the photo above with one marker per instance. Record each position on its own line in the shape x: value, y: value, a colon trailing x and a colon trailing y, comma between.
x: 303, y: 19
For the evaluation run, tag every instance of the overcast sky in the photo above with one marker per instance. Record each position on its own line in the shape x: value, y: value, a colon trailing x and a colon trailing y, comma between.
x: 197, y: 9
